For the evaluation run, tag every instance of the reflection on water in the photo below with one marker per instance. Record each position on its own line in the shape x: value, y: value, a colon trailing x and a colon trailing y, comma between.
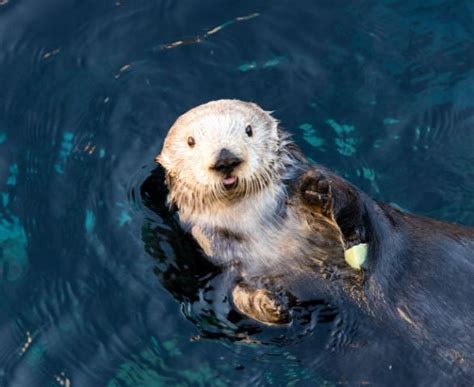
x: 99, y: 285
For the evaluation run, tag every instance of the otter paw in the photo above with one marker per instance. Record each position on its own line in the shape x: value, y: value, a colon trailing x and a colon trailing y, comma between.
x: 261, y: 305
x: 316, y: 191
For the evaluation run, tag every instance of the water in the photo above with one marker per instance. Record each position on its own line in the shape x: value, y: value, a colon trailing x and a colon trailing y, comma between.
x: 98, y: 285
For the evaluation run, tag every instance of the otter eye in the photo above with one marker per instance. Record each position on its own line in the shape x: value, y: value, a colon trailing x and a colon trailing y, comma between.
x: 191, y: 141
x: 248, y: 130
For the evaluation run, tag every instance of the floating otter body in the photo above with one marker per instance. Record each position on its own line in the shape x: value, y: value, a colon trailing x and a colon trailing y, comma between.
x: 257, y: 207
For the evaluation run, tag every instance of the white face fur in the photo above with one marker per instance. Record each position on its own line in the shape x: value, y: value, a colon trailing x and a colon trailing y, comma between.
x: 249, y: 209
x: 196, y: 139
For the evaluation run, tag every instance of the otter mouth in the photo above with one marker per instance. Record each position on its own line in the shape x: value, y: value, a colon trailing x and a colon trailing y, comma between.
x: 230, y: 182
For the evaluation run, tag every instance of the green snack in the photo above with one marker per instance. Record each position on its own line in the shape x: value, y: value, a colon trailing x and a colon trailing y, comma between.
x: 356, y: 255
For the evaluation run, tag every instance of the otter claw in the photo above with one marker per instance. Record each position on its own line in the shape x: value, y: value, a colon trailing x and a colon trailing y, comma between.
x: 316, y: 191
x: 323, y: 185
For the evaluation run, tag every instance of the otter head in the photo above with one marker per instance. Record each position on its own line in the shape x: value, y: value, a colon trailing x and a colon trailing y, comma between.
x: 221, y: 151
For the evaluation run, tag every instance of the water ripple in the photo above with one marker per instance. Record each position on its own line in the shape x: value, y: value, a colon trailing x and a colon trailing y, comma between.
x: 99, y: 284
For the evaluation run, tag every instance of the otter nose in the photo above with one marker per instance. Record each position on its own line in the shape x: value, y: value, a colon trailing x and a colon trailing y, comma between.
x: 226, y: 161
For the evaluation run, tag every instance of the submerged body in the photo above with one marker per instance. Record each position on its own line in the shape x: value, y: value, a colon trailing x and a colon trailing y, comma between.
x: 256, y: 206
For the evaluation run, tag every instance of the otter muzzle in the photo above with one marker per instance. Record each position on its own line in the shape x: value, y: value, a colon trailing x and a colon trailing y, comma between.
x: 226, y: 162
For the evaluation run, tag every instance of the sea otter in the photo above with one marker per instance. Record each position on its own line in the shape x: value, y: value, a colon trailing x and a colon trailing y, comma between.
x: 256, y: 206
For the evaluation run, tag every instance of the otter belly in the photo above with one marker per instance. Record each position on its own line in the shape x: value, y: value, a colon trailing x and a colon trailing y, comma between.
x: 288, y: 247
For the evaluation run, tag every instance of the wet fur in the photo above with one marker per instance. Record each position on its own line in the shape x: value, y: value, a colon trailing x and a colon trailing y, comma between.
x: 259, y: 225
x: 418, y: 277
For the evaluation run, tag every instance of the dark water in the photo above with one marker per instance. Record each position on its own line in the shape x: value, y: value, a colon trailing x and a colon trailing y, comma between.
x: 98, y: 285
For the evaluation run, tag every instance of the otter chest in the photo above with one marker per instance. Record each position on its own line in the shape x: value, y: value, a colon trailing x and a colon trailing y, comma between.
x: 256, y: 241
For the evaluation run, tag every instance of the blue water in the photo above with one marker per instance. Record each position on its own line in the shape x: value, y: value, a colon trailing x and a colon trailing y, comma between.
x: 98, y: 285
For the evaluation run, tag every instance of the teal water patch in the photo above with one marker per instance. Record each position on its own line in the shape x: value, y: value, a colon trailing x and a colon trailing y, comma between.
x: 253, y: 65
x: 124, y: 218
x: 346, y: 147
x: 377, y: 143
x: 147, y: 371
x: 340, y: 129
x: 66, y: 150
x: 171, y: 346
x: 3, y: 137
x: 269, y: 378
x: 417, y: 133
x: 368, y: 173
x: 35, y: 355
x: 247, y: 66
x: 67, y: 326
x: 5, y: 199
x: 101, y: 153
x: 295, y: 373
x: 150, y: 368
x: 421, y: 135
x: 204, y: 375
x: 13, y: 174
x: 272, y: 62
x: 310, y: 135
x: 89, y: 222
x: 345, y: 144
x: 13, y: 250
x: 390, y: 121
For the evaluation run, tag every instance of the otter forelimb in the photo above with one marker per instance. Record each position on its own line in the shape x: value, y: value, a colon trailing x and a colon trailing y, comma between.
x: 261, y: 305
x: 337, y: 200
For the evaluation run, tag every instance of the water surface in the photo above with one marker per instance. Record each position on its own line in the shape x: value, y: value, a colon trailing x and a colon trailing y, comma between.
x: 99, y: 286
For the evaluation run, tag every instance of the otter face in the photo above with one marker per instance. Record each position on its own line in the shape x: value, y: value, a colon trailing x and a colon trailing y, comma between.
x: 221, y: 150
